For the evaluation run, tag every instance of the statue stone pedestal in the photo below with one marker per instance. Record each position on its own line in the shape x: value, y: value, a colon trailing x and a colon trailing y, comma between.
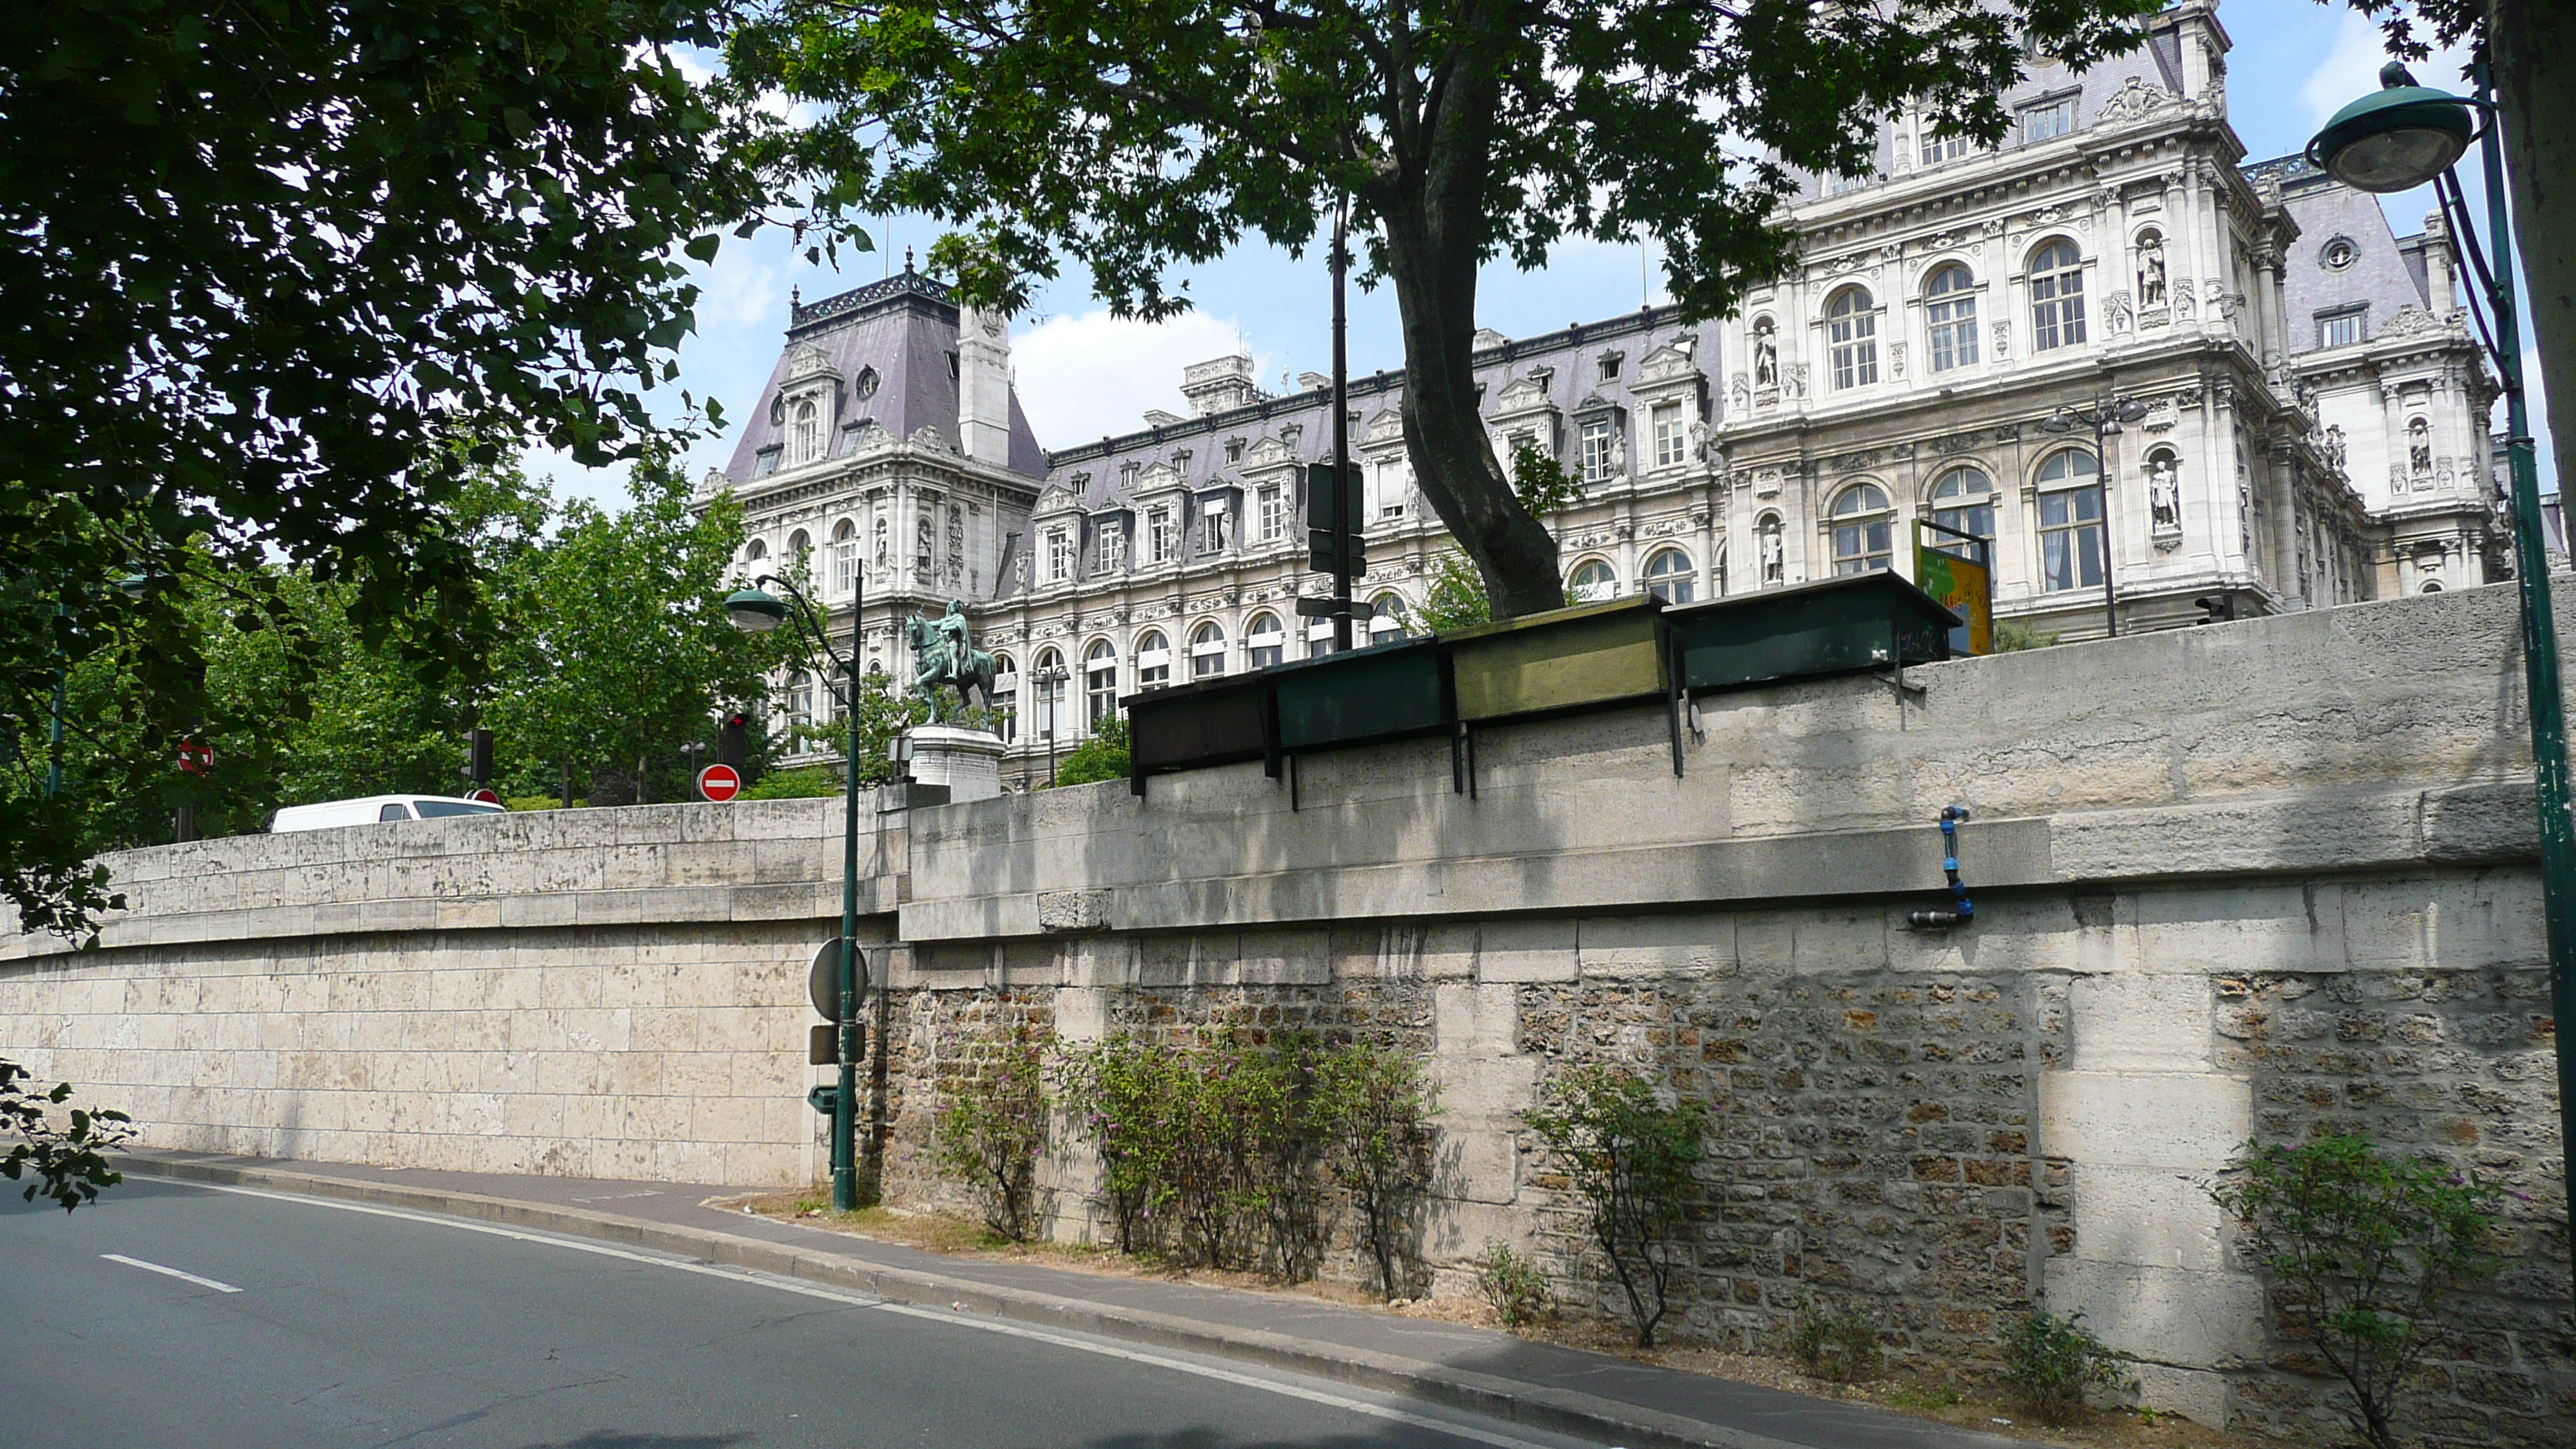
x: 968, y: 762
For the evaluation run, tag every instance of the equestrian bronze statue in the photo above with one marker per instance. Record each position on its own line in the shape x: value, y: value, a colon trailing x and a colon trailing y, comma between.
x: 944, y: 653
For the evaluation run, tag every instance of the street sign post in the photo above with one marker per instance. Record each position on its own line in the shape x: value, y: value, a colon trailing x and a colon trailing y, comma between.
x: 719, y: 782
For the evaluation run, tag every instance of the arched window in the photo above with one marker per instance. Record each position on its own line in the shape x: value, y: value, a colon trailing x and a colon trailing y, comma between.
x: 1264, y: 641
x: 1669, y: 577
x: 755, y: 551
x: 800, y: 698
x: 800, y: 547
x: 1319, y: 638
x: 1006, y: 696
x: 1207, y: 650
x: 1387, y: 613
x: 845, y: 557
x: 1950, y: 306
x: 1048, y: 681
x: 1853, y: 328
x: 808, y: 442
x: 2056, y: 296
x: 2070, y: 521
x: 1964, y: 499
x: 1864, y: 529
x: 1592, y: 581
x: 1153, y: 660
x: 1100, y: 680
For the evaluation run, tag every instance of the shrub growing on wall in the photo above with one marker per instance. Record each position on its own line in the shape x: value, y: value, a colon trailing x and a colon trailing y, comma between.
x: 990, y: 1129
x: 1628, y: 1158
x: 1379, y: 1111
x: 1121, y: 1093
x: 2364, y: 1252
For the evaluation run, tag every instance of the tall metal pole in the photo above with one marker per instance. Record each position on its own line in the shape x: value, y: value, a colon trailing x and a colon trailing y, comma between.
x: 1343, y: 524
x: 2102, y: 426
x: 2539, y: 641
x: 845, y: 1103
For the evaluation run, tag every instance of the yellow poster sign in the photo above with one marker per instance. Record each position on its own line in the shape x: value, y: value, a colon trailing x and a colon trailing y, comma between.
x: 1964, y: 585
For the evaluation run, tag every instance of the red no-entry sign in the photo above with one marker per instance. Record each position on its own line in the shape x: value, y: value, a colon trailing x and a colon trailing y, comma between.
x: 719, y: 782
x: 484, y: 793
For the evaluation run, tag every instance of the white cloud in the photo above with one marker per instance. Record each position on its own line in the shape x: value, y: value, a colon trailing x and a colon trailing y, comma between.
x: 2351, y: 69
x: 1091, y: 374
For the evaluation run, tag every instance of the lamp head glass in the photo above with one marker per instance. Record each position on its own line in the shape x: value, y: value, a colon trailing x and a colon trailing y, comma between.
x: 2396, y: 138
x: 755, y: 611
x: 2060, y: 421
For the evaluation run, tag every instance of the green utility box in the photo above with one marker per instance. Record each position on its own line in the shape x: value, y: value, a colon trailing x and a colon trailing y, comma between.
x: 1591, y: 654
x: 1205, y: 722
x: 1380, y: 692
x: 1866, y: 621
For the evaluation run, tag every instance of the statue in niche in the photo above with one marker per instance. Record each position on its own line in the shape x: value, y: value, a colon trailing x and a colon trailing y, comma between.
x: 922, y: 543
x: 2151, y: 270
x: 2334, y: 447
x: 1766, y: 355
x: 881, y: 541
x: 1774, y: 564
x: 2419, y: 447
x: 2164, y: 491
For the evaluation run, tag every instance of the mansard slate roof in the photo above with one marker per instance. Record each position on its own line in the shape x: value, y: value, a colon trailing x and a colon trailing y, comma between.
x: 1092, y: 471
x: 2387, y: 273
x: 905, y: 327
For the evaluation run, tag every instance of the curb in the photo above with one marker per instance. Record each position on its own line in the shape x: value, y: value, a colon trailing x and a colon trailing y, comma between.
x: 1535, y: 1405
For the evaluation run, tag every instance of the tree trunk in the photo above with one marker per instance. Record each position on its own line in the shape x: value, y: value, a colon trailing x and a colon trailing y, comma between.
x: 2535, y: 84
x: 1433, y: 208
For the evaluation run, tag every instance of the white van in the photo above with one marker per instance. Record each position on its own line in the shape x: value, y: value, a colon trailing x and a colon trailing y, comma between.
x: 373, y: 808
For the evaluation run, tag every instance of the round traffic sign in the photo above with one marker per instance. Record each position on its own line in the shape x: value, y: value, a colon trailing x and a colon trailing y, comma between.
x: 484, y: 793
x: 719, y: 782
x: 823, y: 979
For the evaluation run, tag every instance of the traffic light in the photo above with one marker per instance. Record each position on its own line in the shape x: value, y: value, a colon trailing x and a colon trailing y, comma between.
x: 733, y: 740
x: 478, y: 756
x: 2215, y: 608
x: 1323, y: 553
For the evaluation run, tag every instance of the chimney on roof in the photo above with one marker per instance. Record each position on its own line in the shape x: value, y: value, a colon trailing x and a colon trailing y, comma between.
x: 1218, y: 384
x: 984, y: 386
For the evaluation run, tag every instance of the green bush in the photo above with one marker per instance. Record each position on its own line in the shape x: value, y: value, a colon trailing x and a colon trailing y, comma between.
x: 2049, y: 1362
x: 1512, y: 1284
x: 1222, y: 1152
x: 536, y: 802
x: 990, y: 1129
x: 1836, y: 1344
x: 1379, y: 1110
x: 807, y: 782
x: 2364, y: 1252
x: 1629, y: 1159
x: 1101, y: 757
x: 2013, y: 638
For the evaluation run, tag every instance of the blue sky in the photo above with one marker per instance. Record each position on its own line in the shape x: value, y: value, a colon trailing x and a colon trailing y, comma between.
x: 1082, y: 373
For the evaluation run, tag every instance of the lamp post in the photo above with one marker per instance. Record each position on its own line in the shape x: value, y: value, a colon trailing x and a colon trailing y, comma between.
x: 2395, y: 140
x: 1049, y: 680
x: 757, y: 611
x: 2104, y: 417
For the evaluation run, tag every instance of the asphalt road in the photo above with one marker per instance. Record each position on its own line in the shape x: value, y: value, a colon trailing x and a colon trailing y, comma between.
x: 301, y: 1322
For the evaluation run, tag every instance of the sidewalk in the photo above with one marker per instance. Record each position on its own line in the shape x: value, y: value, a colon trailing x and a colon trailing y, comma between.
x: 1628, y: 1404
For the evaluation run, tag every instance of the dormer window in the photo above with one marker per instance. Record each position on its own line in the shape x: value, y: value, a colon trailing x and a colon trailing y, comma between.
x: 1160, y: 536
x: 806, y: 435
x: 1059, y: 555
x: 1128, y: 473
x: 1113, y: 545
x: 1213, y: 529
x: 1610, y: 363
x: 1234, y: 450
x: 2048, y: 120
x: 1597, y: 435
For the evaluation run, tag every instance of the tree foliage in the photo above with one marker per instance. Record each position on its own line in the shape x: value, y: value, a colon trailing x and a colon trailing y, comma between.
x: 1104, y: 756
x: 1629, y: 1159
x: 2366, y: 1253
x: 1133, y: 138
x: 267, y: 263
x: 65, y: 1162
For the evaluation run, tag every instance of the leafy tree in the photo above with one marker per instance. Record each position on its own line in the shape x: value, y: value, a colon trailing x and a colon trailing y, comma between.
x: 1628, y: 1158
x: 617, y: 647
x: 1135, y: 137
x: 66, y: 1163
x: 2366, y: 1253
x: 1102, y: 757
x: 1377, y: 1108
x: 1456, y: 598
x: 266, y: 261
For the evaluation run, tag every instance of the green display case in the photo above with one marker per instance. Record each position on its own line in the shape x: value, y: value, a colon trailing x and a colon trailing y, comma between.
x: 1382, y: 692
x: 1588, y: 655
x: 1866, y: 621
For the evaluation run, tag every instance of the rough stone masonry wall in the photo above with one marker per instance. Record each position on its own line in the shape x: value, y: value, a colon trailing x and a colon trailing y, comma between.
x: 1942, y: 1132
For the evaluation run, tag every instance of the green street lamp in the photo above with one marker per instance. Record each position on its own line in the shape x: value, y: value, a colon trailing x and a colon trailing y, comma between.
x: 757, y: 611
x: 2396, y: 140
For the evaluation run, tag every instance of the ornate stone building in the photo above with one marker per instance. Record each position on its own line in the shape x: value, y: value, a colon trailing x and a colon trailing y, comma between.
x: 2312, y: 424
